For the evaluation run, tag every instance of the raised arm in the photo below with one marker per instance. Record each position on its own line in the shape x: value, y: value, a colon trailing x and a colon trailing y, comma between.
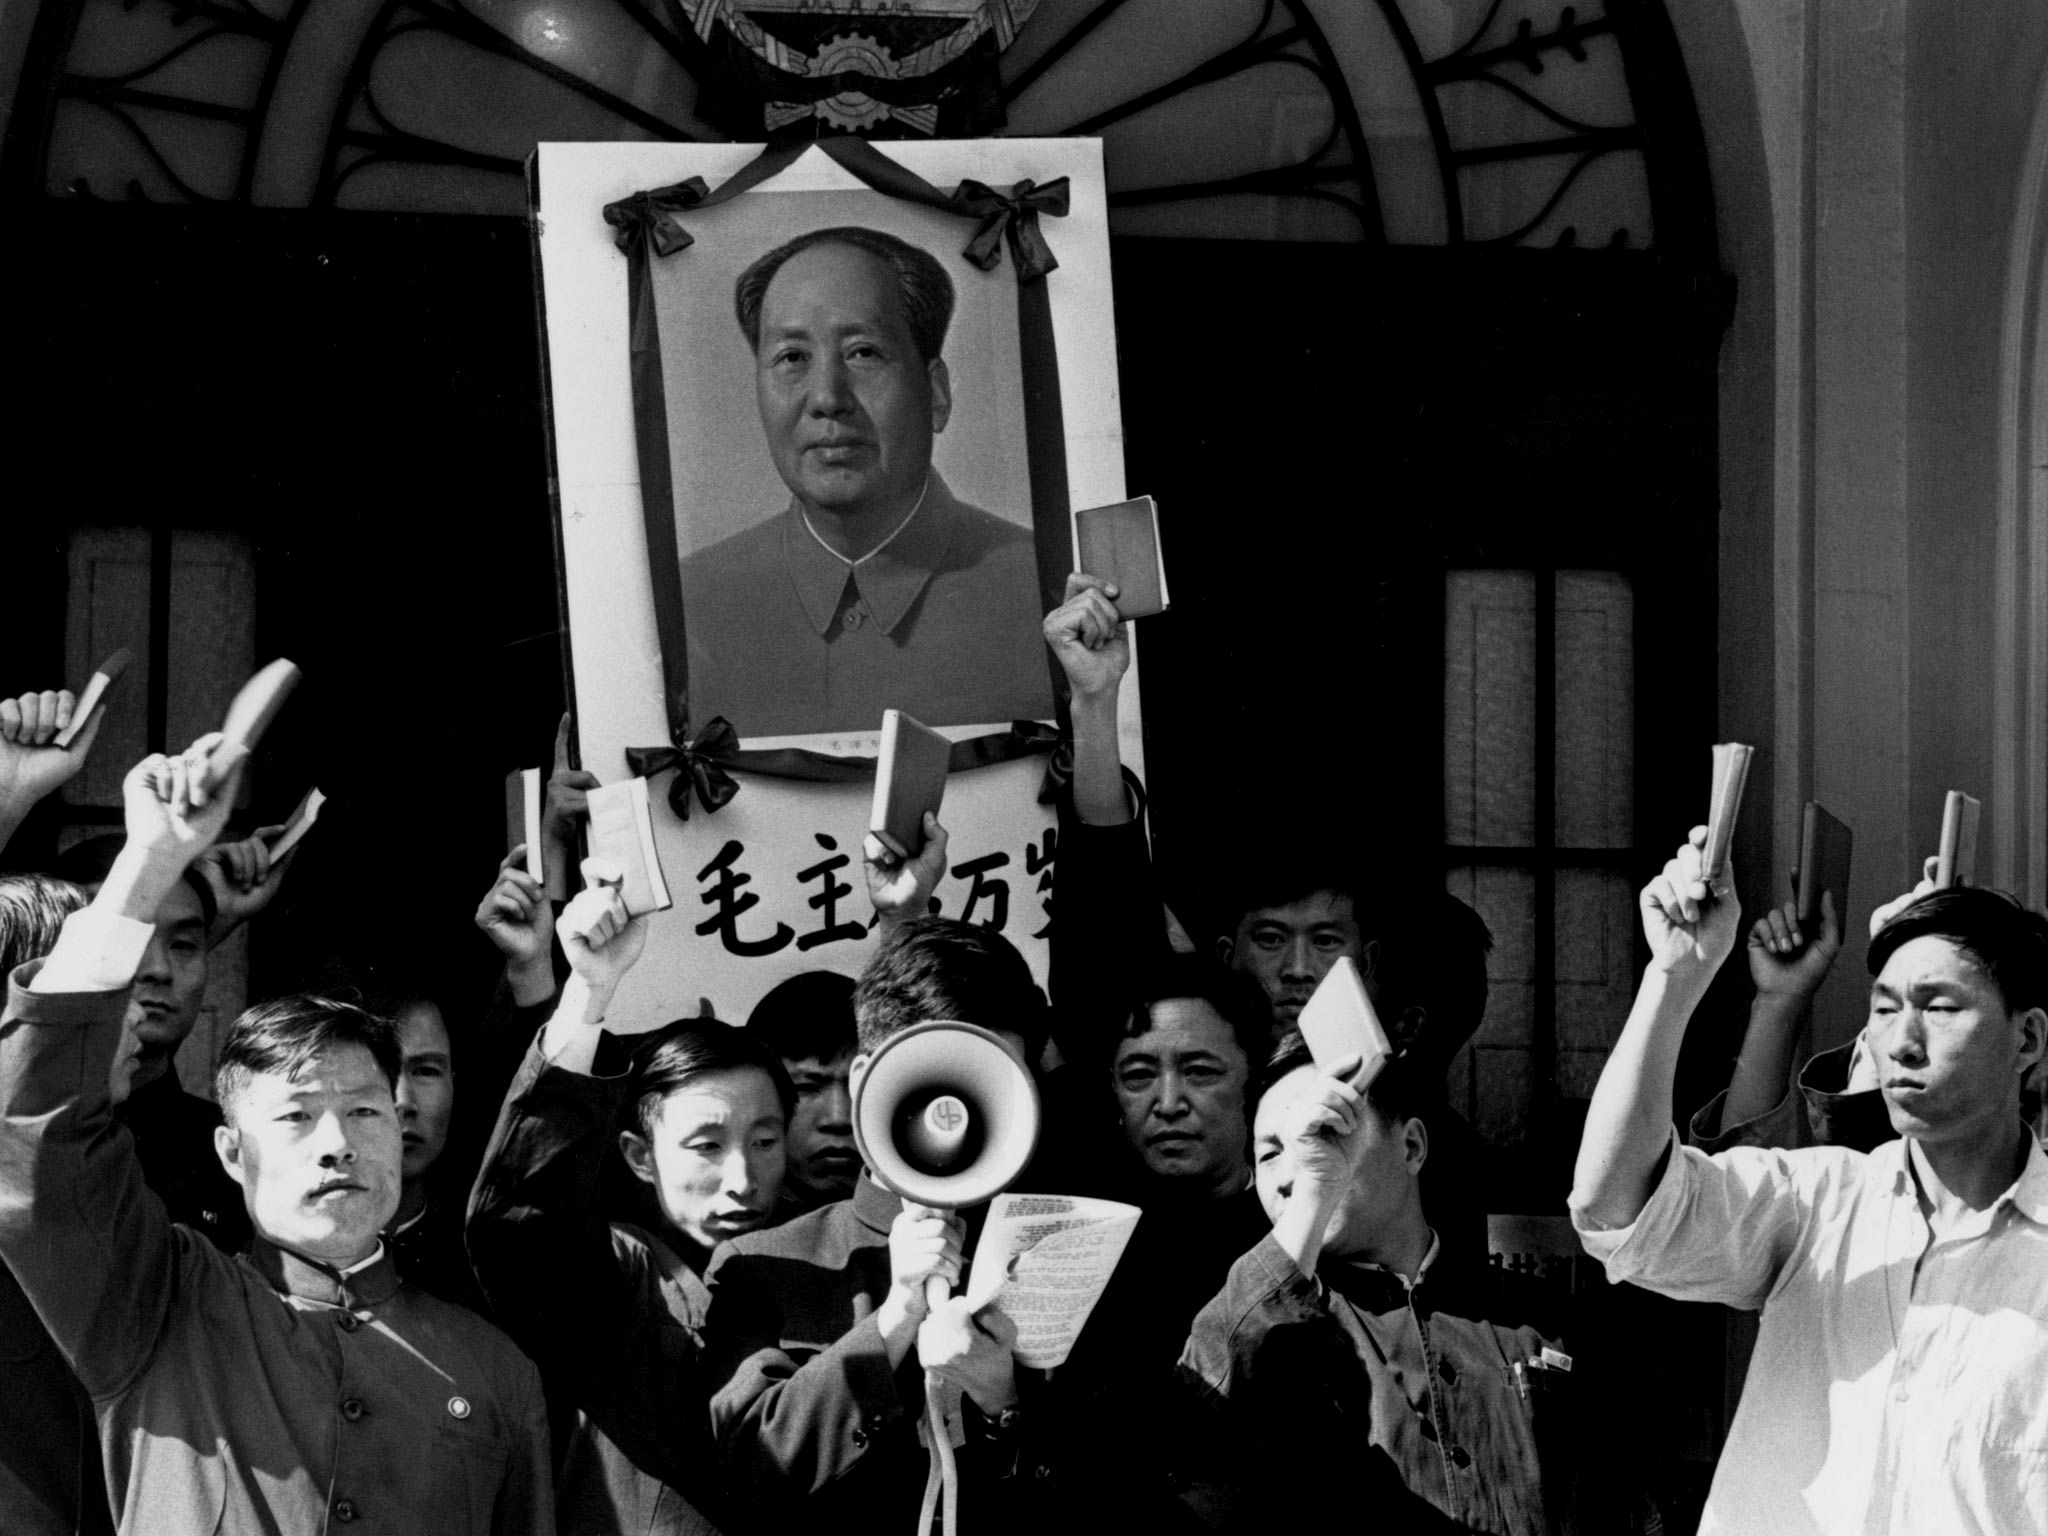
x: 90, y: 1244
x: 1094, y: 650
x: 1690, y: 930
x: 244, y: 878
x: 1109, y: 924
x: 537, y: 1232
x: 1787, y: 966
x: 31, y: 767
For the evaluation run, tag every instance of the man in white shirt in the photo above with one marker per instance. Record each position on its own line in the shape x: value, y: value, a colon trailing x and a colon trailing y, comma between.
x: 1896, y: 1384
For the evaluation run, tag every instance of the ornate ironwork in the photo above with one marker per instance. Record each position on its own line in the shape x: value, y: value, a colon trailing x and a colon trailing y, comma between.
x: 191, y: 88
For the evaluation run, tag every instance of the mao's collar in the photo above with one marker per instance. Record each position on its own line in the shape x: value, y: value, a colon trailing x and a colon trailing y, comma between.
x: 889, y: 581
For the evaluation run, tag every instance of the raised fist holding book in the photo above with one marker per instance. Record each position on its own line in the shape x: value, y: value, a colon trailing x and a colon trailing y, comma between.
x: 902, y: 888
x: 1088, y: 636
x: 602, y: 940
x: 1788, y: 958
x: 517, y: 917
x: 32, y: 764
x: 174, y: 808
x: 1690, y: 925
x: 245, y: 879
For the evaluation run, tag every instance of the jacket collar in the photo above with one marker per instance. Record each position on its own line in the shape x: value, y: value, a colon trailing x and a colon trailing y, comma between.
x: 890, y: 581
x: 293, y: 1274
x: 875, y: 1206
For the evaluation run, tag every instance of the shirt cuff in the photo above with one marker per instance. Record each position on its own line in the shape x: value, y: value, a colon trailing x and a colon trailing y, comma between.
x: 1602, y: 1242
x: 98, y: 951
x: 1777, y: 1126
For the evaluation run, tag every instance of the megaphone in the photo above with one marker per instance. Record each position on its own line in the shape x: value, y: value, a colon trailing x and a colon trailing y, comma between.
x: 944, y: 1115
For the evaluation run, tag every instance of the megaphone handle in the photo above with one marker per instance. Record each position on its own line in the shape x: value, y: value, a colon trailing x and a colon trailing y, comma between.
x: 943, y: 1483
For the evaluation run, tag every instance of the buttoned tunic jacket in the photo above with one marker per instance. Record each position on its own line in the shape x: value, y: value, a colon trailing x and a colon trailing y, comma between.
x: 816, y: 1430
x: 1428, y: 1404
x: 786, y: 638
x: 257, y: 1394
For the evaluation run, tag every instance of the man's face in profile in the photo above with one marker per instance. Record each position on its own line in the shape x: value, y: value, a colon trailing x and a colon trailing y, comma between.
x: 848, y: 407
x: 426, y: 1086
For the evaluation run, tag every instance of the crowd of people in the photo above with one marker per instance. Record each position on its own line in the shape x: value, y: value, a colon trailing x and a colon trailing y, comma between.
x: 674, y: 1299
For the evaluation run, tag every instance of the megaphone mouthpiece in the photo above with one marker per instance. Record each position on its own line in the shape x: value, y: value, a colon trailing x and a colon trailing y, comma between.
x: 945, y: 1115
x: 938, y: 1136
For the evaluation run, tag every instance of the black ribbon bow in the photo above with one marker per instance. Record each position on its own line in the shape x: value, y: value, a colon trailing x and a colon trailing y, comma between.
x: 698, y: 764
x: 1013, y: 214
x: 652, y: 214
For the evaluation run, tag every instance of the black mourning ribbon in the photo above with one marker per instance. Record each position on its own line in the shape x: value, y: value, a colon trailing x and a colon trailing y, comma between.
x: 705, y: 763
x: 652, y: 214
x: 700, y: 766
x: 1012, y: 214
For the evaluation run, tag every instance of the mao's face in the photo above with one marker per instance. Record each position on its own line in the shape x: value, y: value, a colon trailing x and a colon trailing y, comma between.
x: 426, y: 1086
x: 848, y: 407
x: 318, y: 1155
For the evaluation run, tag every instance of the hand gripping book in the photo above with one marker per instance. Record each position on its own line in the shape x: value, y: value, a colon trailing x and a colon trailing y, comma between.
x: 108, y: 674
x: 910, y: 779
x: 1338, y: 1021
x: 622, y: 832
x: 255, y: 707
x: 1120, y: 543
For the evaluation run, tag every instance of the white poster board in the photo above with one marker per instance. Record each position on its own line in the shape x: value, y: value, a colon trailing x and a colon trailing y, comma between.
x: 771, y: 884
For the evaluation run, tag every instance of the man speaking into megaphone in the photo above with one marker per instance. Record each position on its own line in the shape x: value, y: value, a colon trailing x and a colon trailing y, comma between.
x: 821, y: 1330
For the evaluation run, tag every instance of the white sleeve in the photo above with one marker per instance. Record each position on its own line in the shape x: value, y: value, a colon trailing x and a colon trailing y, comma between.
x: 98, y: 951
x: 1717, y: 1228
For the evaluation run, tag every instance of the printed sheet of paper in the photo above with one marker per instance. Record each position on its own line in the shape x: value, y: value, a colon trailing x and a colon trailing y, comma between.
x: 1045, y: 1261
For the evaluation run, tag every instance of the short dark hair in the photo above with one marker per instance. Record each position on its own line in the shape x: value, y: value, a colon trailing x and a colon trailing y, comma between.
x: 1297, y: 861
x: 32, y: 913
x: 1432, y: 955
x: 941, y: 968
x: 921, y: 283
x: 284, y: 1035
x: 1240, y: 1001
x: 1991, y: 927
x: 89, y: 862
x: 382, y: 984
x: 1395, y: 1094
x: 690, y: 1048
x: 808, y: 1017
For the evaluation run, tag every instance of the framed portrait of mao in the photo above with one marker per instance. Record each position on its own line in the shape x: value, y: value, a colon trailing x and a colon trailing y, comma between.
x: 820, y: 415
